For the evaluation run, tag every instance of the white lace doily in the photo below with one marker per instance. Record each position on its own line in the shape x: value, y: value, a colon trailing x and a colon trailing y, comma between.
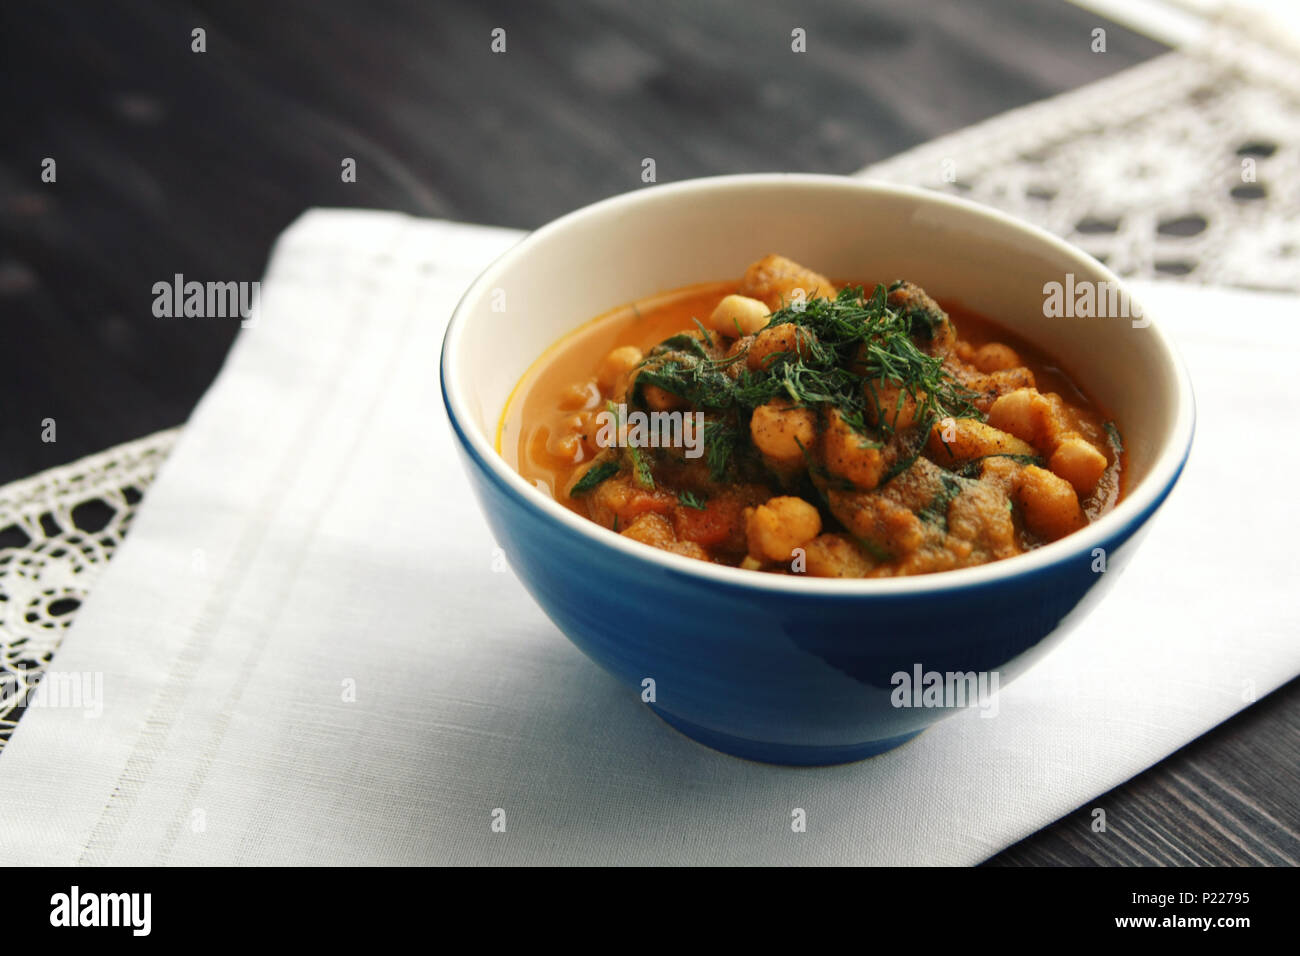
x: 57, y: 531
x: 1149, y: 170
x: 1187, y: 166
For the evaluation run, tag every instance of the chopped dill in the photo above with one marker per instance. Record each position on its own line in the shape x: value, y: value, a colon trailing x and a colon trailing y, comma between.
x: 704, y: 333
x: 640, y: 468
x: 594, y: 476
x: 936, y: 511
x: 850, y: 348
x: 688, y: 499
x: 641, y: 472
x: 720, y: 438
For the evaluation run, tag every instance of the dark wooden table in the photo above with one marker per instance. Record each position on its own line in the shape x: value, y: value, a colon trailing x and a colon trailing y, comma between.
x: 174, y: 161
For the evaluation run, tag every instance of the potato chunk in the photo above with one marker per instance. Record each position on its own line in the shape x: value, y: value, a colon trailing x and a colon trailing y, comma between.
x: 777, y: 282
x: 775, y: 529
x: 988, y: 387
x: 688, y: 549
x: 878, y: 519
x: 851, y: 454
x: 782, y: 431
x: 720, y: 524
x: 836, y: 556
x: 897, y: 406
x: 931, y: 326
x: 618, y: 501
x: 980, y: 527
x: 964, y: 439
x: 775, y: 341
x: 652, y: 529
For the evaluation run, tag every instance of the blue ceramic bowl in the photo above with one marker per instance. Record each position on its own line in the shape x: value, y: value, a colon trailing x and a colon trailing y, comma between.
x: 786, y: 669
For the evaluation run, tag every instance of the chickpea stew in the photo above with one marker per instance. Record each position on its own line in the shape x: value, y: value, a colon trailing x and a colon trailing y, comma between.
x: 791, y: 424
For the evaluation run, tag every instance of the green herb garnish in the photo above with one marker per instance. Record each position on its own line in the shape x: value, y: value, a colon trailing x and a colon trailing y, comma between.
x: 641, y: 472
x: 688, y: 499
x: 594, y: 476
x: 720, y: 439
x: 704, y: 333
x: 846, y: 346
x: 936, y: 511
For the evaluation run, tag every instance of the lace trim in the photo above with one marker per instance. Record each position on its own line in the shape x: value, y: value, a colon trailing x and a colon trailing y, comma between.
x: 58, y: 530
x: 1184, y: 167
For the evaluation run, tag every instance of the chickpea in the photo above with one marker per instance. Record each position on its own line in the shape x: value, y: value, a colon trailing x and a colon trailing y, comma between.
x: 1078, y: 462
x: 995, y: 357
x: 580, y: 395
x: 737, y: 316
x: 1026, y: 413
x: 1017, y: 413
x: 617, y: 364
x: 582, y: 424
x: 775, y: 529
x: 565, y: 446
x: 782, y: 431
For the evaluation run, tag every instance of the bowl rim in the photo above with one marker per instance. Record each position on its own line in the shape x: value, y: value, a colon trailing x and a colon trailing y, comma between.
x: 1133, y: 510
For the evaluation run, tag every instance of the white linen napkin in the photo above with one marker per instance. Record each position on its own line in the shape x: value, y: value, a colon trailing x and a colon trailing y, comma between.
x: 310, y: 652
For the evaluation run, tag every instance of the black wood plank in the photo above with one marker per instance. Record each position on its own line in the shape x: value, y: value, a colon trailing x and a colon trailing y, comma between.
x: 1226, y: 799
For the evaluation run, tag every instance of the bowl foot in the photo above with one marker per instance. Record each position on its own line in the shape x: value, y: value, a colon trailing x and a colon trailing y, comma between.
x: 794, y: 755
